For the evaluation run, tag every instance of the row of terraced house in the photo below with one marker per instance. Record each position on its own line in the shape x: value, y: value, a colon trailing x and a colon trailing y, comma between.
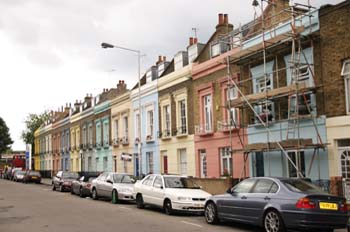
x: 224, y: 107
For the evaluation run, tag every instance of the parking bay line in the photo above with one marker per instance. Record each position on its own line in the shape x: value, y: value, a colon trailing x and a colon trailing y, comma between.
x: 122, y: 207
x: 192, y: 224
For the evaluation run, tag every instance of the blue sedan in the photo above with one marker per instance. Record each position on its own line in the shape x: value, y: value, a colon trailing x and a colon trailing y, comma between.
x: 277, y: 204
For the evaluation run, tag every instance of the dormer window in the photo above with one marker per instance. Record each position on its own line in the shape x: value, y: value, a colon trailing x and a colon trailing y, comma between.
x: 180, y: 60
x: 219, y: 48
x: 97, y: 99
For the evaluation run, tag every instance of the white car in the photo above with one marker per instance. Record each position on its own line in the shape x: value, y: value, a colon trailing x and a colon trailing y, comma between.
x: 171, y: 192
x: 114, y: 186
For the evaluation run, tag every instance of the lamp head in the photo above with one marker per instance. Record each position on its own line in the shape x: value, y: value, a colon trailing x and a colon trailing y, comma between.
x: 106, y: 45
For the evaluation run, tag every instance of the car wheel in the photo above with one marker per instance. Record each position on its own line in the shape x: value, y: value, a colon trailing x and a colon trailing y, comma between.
x: 168, y: 210
x: 211, y: 214
x: 273, y: 222
x: 139, y: 201
x: 114, y: 196
x: 71, y: 191
x: 81, y: 192
x: 94, y: 194
x: 53, y: 186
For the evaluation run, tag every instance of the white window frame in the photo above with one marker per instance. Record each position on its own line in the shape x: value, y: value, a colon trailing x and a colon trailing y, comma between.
x: 125, y: 126
x: 105, y: 132
x: 137, y: 125
x: 232, y: 94
x: 260, y: 86
x: 346, y: 75
x: 260, y: 108
x: 150, y: 162
x: 167, y: 119
x: 182, y: 109
x: 150, y: 123
x: 225, y: 158
x: 203, y: 163
x: 116, y: 129
x: 207, y: 113
x: 182, y: 153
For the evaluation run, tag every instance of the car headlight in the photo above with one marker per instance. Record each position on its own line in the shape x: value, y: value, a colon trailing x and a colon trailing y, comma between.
x: 184, y: 198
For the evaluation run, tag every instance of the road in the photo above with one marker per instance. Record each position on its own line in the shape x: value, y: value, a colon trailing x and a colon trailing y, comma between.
x: 30, y: 207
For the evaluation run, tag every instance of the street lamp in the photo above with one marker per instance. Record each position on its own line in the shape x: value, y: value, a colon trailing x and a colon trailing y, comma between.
x: 107, y: 45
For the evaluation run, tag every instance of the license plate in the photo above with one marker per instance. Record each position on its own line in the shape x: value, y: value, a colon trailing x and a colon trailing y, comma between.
x: 198, y: 205
x: 326, y: 205
x: 34, y: 177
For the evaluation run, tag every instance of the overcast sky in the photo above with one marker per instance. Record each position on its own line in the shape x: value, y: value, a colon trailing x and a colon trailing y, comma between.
x: 50, y: 50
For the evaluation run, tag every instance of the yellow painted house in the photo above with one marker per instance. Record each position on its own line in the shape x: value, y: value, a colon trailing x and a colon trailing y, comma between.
x: 176, y: 135
x: 75, y: 147
x: 122, y: 129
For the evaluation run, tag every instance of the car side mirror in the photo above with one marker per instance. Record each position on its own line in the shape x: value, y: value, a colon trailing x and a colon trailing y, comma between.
x: 133, y: 181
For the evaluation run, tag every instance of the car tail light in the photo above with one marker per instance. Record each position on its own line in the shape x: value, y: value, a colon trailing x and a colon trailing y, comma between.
x: 305, y: 203
x: 343, y: 206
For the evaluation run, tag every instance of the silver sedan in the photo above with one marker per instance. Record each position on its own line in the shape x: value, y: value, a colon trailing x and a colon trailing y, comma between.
x: 114, y: 186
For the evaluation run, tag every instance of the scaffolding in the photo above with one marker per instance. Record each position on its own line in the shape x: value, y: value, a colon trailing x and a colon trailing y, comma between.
x: 275, y: 39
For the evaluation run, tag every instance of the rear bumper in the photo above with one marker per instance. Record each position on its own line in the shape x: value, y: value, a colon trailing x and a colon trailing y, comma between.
x: 308, y: 220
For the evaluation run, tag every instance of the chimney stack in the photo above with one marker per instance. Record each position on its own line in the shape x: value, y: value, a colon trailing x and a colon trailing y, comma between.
x: 191, y: 41
x: 195, y: 40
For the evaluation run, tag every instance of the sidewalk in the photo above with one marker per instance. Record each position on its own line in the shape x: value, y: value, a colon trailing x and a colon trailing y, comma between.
x: 46, y: 181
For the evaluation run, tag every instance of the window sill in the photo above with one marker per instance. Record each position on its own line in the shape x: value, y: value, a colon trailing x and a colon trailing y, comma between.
x: 125, y: 143
x: 206, y: 134
x: 150, y: 141
x: 182, y: 135
x: 230, y: 129
x: 166, y: 138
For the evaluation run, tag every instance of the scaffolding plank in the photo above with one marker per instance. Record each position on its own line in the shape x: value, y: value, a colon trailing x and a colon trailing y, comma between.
x: 282, y: 91
x: 260, y: 46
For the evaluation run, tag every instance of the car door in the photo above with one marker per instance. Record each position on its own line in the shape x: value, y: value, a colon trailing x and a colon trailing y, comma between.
x: 147, y: 189
x: 259, y: 197
x: 158, y: 191
x: 108, y: 186
x: 234, y: 205
x: 100, y: 184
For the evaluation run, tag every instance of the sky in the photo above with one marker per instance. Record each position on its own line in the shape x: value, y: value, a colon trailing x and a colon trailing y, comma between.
x: 50, y: 51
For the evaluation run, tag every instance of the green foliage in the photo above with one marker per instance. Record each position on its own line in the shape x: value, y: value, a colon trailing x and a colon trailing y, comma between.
x: 5, y: 139
x: 33, y: 122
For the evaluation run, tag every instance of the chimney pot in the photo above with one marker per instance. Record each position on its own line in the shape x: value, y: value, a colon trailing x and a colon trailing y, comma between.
x: 164, y: 58
x: 195, y: 40
x: 225, y: 19
x: 221, y: 19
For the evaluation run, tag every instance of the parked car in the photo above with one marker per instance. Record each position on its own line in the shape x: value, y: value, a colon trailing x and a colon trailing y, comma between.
x: 171, y: 192
x: 83, y: 186
x: 32, y: 176
x: 63, y: 180
x: 114, y: 186
x: 19, y: 176
x: 277, y: 204
x: 13, y: 172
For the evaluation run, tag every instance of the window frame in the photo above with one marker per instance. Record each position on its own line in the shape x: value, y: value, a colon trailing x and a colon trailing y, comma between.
x: 346, y: 76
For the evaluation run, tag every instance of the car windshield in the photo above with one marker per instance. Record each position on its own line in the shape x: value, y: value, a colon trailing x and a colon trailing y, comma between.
x: 119, y: 178
x: 70, y: 175
x: 179, y: 182
x: 20, y: 173
x: 301, y: 186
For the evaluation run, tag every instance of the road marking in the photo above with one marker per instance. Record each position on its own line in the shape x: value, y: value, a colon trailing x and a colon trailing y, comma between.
x: 192, y: 224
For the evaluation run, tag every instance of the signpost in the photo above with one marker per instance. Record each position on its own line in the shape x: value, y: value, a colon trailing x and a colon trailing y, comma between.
x: 29, y: 156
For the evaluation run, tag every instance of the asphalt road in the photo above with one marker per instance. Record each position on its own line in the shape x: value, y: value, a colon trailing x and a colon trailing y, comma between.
x: 30, y: 207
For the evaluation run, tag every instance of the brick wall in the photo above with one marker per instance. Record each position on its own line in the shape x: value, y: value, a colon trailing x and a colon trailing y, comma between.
x: 335, y: 48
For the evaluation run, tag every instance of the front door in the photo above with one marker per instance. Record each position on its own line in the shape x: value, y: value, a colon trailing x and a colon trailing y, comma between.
x: 165, y: 164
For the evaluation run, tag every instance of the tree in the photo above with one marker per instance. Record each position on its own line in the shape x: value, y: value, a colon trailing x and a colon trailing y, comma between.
x: 5, y: 139
x: 33, y: 122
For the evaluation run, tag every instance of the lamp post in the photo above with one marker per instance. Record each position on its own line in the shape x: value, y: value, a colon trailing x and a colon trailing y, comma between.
x: 107, y: 45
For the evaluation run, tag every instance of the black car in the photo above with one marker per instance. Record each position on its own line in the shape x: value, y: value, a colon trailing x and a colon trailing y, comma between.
x: 32, y: 177
x: 63, y: 180
x: 277, y: 204
x: 82, y: 186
